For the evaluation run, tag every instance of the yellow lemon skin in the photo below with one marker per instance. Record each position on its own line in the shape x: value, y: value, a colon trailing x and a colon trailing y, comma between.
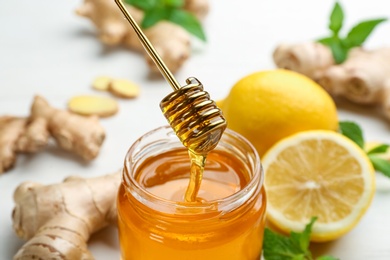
x: 267, y: 106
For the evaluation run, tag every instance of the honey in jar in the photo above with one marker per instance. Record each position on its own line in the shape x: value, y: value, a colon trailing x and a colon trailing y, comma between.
x: 225, y: 221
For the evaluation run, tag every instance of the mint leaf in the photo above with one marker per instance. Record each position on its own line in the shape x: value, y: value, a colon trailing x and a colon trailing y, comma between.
x: 339, y: 52
x: 142, y: 4
x: 170, y: 10
x: 278, y: 247
x: 188, y: 22
x: 353, y: 132
x: 378, y: 149
x: 380, y: 165
x: 152, y: 16
x: 340, y: 46
x: 361, y: 31
x: 174, y: 3
x: 336, y: 19
x: 295, y: 247
x: 326, y: 41
x: 302, y: 240
x: 326, y: 257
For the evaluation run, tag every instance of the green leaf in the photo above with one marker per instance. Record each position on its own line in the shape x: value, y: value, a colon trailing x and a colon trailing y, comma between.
x: 278, y: 247
x: 336, y: 19
x: 326, y: 41
x: 378, y: 149
x: 302, y: 240
x: 327, y: 257
x: 170, y: 10
x: 361, y: 31
x: 353, y: 132
x: 295, y: 247
x: 381, y: 165
x: 142, y: 4
x: 188, y: 22
x: 339, y: 52
x: 174, y: 3
x: 152, y: 16
x: 356, y: 36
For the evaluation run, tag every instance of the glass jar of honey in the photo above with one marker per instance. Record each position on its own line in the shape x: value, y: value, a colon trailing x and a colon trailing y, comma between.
x: 225, y: 222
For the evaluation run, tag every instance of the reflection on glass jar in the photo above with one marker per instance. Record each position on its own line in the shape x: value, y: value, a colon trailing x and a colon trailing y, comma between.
x: 227, y: 220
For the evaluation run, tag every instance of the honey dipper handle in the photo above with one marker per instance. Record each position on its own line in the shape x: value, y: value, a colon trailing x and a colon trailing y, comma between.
x: 149, y: 48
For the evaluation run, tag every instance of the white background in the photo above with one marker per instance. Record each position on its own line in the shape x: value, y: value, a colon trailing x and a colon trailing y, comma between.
x: 46, y: 49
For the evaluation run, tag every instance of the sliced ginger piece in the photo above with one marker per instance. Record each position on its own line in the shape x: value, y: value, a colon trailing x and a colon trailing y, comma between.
x: 124, y: 88
x: 102, y: 83
x: 93, y: 105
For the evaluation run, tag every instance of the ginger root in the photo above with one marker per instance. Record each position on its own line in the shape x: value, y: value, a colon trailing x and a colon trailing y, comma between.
x: 80, y: 135
x: 171, y: 41
x: 363, y: 78
x: 309, y: 58
x: 58, y: 219
x: 199, y: 8
x: 34, y: 137
x: 10, y: 130
x: 19, y: 135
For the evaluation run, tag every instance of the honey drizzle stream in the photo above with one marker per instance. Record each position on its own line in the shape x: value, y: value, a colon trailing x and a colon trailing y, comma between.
x: 198, y: 162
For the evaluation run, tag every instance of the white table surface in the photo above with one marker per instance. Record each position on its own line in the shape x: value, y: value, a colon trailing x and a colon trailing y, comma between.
x: 46, y: 49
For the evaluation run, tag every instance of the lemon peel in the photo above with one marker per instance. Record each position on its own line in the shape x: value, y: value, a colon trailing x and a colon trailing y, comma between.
x: 267, y: 106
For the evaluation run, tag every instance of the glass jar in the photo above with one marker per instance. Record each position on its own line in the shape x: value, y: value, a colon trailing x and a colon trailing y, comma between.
x: 155, y: 223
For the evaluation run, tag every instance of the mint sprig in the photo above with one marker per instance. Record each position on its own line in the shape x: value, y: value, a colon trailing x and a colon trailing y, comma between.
x: 378, y: 149
x: 169, y: 10
x: 355, y: 133
x: 340, y: 46
x: 294, y: 247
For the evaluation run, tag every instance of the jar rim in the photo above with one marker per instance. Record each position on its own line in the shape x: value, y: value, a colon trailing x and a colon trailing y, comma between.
x: 226, y: 202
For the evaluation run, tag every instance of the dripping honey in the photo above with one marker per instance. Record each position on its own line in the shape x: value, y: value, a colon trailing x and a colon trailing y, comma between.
x: 225, y: 221
x: 198, y: 123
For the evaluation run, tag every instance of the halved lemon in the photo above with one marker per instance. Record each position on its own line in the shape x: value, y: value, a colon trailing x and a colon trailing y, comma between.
x: 319, y: 174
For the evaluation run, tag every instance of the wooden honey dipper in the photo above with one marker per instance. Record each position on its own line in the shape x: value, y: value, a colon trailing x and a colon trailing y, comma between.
x: 194, y: 117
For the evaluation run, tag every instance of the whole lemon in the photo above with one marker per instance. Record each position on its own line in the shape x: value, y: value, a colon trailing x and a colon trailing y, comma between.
x: 267, y: 106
